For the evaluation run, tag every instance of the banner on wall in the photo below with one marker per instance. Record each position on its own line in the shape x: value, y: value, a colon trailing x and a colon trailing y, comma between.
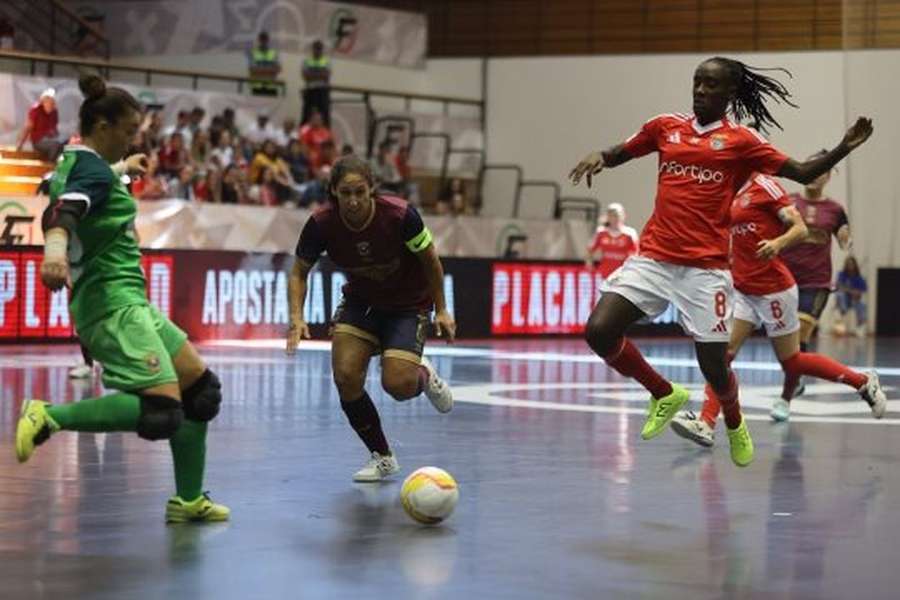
x: 214, y: 26
x: 238, y: 295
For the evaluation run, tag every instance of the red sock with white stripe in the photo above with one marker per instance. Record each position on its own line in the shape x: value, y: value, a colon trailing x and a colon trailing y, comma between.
x: 711, y: 407
x: 822, y: 367
x: 628, y: 361
x: 731, y: 406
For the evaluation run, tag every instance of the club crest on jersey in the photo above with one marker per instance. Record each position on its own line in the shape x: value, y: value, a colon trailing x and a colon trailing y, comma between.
x: 364, y: 248
x: 717, y: 142
x: 674, y: 138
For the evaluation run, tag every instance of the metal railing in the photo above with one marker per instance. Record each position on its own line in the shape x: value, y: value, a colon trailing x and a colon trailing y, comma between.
x: 108, y: 67
x: 56, y: 28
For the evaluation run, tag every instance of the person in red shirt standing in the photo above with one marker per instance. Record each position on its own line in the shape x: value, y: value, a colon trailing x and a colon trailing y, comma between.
x: 394, y: 278
x: 810, y: 260
x: 41, y: 127
x: 704, y: 158
x: 766, y: 294
x: 614, y: 241
x: 314, y: 135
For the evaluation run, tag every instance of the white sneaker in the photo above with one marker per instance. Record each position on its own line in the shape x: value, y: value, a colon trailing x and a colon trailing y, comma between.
x: 690, y: 427
x: 379, y: 467
x: 436, y: 389
x: 861, y: 332
x: 874, y: 396
x: 81, y: 372
x: 781, y: 410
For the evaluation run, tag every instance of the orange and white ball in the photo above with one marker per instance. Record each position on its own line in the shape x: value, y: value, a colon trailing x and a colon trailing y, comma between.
x: 429, y: 495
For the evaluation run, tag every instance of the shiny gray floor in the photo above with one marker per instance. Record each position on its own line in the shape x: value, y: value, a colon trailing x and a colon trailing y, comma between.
x: 559, y: 497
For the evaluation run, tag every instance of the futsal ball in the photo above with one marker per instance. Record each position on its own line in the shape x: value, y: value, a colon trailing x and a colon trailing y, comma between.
x: 429, y: 495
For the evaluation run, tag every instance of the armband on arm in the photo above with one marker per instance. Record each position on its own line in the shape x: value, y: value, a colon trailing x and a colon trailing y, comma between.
x: 63, y: 214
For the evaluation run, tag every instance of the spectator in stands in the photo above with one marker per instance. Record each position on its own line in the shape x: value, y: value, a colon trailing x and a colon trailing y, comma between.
x: 288, y: 132
x: 317, y: 84
x: 264, y: 67
x: 228, y: 120
x: 7, y: 34
x: 200, y: 148
x: 196, y: 120
x: 182, y: 187
x: 325, y: 159
x: 384, y: 169
x: 173, y: 156
x: 280, y: 174
x: 314, y: 134
x: 151, y: 185
x: 42, y: 127
x: 222, y: 155
x: 233, y: 189
x: 452, y: 199
x: 152, y: 128
x: 261, y: 131
x: 347, y: 150
x: 315, y: 193
x: 851, y: 287
x: 182, y: 126
x: 298, y: 162
x: 265, y: 192
x: 409, y: 189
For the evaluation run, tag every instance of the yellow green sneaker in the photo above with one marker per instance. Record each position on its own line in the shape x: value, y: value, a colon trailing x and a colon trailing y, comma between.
x: 203, y: 509
x: 741, y: 445
x: 34, y: 428
x: 662, y: 410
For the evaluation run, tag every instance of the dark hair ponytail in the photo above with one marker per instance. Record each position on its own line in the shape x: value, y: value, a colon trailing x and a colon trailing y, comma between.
x: 102, y: 102
x: 752, y: 90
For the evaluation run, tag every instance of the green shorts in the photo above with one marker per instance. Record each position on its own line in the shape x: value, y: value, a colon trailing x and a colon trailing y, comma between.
x: 136, y: 345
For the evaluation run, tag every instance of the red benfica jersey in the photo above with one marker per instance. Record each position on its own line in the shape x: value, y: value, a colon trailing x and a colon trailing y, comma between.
x: 616, y: 247
x: 700, y: 170
x: 381, y: 269
x: 754, y: 218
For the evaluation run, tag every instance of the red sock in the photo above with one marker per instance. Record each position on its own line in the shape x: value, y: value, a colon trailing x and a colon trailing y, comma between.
x: 628, y: 361
x: 822, y: 367
x: 711, y: 407
x: 731, y: 407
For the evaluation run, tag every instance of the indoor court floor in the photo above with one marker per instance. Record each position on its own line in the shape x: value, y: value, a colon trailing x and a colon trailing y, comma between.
x: 559, y: 497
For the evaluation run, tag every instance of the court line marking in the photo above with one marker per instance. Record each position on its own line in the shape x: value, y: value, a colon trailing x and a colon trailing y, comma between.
x: 484, y: 394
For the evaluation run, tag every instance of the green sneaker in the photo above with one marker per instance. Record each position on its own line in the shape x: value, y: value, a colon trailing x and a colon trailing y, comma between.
x: 741, y: 445
x: 34, y: 428
x: 662, y: 410
x: 203, y: 509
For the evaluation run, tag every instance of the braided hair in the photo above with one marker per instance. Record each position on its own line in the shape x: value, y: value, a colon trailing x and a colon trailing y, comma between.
x: 752, y: 90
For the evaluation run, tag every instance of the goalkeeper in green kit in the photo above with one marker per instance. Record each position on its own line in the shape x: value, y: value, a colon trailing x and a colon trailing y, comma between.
x: 165, y: 390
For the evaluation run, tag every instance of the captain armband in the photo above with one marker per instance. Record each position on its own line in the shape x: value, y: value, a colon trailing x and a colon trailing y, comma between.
x: 420, y: 242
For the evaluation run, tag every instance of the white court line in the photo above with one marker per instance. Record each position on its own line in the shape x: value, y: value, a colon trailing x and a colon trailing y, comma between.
x: 440, y: 349
x: 486, y: 395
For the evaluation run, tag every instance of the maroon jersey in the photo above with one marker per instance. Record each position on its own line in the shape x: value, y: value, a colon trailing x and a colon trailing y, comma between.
x: 810, y: 260
x: 379, y: 260
x: 754, y: 218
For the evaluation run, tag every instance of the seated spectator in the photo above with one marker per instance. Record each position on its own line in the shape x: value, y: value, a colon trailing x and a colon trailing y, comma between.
x: 851, y: 287
x: 325, y: 159
x: 384, y: 169
x: 452, y: 199
x: 204, y: 184
x: 222, y: 155
x: 151, y: 185
x: 200, y: 148
x: 182, y: 187
x: 228, y: 122
x: 409, y: 189
x: 152, y: 128
x: 266, y: 191
x: 314, y: 134
x: 288, y: 132
x: 315, y: 193
x: 173, y: 156
x: 347, y: 150
x: 41, y: 127
x: 298, y: 162
x: 233, y: 188
x: 182, y: 126
x: 281, y: 179
x: 196, y: 119
x: 261, y: 131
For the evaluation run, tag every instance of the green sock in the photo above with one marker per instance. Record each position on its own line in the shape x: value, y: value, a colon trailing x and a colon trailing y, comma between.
x: 114, y: 412
x: 189, y: 457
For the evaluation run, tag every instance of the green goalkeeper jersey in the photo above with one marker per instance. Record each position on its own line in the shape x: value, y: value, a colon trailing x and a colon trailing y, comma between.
x: 104, y: 258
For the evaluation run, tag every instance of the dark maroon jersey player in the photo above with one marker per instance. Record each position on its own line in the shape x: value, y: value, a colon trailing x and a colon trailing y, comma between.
x: 381, y: 256
x: 394, y: 277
